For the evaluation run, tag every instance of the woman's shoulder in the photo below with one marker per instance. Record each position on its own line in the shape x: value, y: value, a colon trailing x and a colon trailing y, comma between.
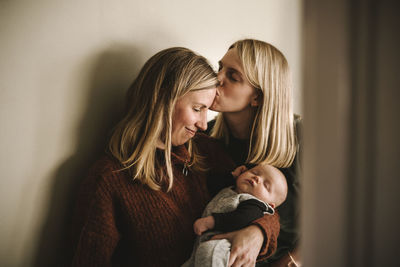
x: 297, y: 118
x: 106, y: 164
x: 298, y: 127
x: 298, y: 124
x: 104, y: 171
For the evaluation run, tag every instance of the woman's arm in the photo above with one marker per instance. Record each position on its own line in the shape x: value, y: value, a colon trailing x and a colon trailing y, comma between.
x: 95, y: 234
x: 270, y: 227
x: 94, y: 249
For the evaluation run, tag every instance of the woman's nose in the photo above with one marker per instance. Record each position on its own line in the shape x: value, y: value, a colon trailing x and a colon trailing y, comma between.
x: 202, y: 123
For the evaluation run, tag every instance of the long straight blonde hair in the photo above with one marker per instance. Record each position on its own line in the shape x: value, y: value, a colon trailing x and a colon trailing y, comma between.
x: 272, y: 138
x: 165, y: 77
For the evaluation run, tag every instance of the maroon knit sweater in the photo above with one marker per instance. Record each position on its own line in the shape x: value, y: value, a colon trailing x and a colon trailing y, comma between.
x: 121, y: 222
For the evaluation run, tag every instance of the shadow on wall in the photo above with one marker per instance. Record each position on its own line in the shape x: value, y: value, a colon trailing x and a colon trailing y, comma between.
x: 113, y: 71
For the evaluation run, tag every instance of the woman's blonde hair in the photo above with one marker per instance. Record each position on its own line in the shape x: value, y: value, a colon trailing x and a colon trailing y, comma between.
x: 272, y: 138
x: 165, y: 77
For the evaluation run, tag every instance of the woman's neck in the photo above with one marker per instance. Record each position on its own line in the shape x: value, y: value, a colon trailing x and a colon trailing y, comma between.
x: 240, y: 123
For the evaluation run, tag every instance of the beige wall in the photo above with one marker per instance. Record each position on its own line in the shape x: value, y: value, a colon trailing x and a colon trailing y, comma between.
x: 64, y: 67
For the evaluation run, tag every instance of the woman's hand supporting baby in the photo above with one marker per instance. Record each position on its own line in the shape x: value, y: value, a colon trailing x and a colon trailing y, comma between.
x: 246, y: 245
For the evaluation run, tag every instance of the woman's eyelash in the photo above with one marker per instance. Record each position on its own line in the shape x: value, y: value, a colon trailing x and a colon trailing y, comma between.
x: 229, y: 73
x: 230, y: 76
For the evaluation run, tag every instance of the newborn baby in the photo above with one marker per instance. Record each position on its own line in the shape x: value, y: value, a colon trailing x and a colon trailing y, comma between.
x: 258, y: 191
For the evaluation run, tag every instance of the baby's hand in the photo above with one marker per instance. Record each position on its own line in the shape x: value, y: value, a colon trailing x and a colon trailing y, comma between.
x: 203, y: 224
x: 238, y: 171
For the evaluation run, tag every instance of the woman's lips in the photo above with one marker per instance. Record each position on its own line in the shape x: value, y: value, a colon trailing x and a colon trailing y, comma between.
x: 214, y: 103
x: 191, y: 132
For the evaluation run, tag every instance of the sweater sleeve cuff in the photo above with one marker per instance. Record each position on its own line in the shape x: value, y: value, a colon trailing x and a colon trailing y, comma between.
x: 269, y: 226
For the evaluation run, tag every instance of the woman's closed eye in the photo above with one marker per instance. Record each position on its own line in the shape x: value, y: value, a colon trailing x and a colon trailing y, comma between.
x: 232, y: 76
x: 200, y: 108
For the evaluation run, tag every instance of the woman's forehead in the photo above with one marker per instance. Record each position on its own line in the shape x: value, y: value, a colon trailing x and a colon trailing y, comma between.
x: 231, y: 59
x: 203, y: 97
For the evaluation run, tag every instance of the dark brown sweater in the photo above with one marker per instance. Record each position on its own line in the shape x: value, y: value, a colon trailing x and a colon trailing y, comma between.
x: 121, y: 222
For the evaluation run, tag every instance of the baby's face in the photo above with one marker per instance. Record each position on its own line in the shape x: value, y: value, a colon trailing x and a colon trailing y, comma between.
x: 265, y: 182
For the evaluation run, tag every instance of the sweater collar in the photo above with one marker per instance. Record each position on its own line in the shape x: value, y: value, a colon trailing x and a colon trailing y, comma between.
x: 179, y: 154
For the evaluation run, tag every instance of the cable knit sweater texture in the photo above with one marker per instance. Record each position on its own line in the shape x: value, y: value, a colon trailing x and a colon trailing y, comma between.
x: 121, y: 222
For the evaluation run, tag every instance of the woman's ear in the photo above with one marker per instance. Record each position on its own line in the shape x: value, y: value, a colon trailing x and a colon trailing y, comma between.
x: 256, y: 99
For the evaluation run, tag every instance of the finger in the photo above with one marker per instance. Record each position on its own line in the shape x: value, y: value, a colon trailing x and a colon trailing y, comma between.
x: 243, y: 169
x: 235, y: 173
x: 221, y: 236
x: 232, y: 258
x: 250, y: 264
x: 239, y: 262
x: 245, y: 262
